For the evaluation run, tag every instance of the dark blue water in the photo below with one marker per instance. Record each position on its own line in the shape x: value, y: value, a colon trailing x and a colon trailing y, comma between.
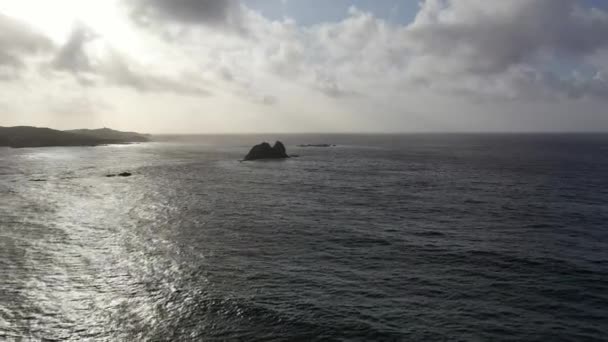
x: 382, y: 237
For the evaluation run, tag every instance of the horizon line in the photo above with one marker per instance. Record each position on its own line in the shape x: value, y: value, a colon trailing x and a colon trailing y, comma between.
x: 327, y: 132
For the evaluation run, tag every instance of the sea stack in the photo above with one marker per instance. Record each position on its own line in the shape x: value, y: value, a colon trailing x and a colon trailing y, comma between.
x: 265, y: 151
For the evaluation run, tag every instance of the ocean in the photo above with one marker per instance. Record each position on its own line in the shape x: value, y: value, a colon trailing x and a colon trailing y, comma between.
x: 413, y: 237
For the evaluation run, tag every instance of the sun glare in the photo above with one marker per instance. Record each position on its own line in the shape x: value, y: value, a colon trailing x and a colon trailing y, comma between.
x: 57, y: 18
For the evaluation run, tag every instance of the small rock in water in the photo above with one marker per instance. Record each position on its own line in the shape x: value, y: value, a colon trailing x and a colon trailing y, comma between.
x: 265, y: 151
x: 316, y: 145
x: 122, y: 174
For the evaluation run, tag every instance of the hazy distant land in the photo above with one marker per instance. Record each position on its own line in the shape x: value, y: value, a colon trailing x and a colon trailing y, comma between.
x: 26, y: 136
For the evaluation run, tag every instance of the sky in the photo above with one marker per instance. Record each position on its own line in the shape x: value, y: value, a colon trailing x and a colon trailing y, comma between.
x: 246, y: 66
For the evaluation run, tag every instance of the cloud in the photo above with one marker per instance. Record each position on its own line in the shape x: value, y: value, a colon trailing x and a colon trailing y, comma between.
x: 244, y: 88
x: 225, y: 14
x: 118, y: 71
x: 512, y: 50
x: 504, y: 47
x: 328, y: 85
x: 517, y: 49
x: 114, y: 68
x: 18, y: 42
x: 72, y: 56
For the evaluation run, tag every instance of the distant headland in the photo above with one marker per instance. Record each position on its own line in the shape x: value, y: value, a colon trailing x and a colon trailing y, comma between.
x: 26, y: 136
